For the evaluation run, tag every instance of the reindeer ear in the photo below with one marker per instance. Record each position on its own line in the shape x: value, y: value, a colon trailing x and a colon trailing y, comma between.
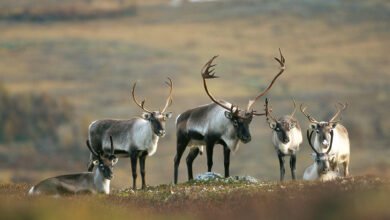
x: 95, y: 162
x: 146, y: 115
x: 272, y: 125
x: 313, y: 126
x: 168, y: 115
x: 228, y: 115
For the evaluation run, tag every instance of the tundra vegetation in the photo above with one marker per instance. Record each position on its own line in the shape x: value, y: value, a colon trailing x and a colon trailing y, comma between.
x: 92, y: 63
x: 350, y: 198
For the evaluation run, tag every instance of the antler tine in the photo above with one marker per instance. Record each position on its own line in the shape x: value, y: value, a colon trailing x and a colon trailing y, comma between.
x: 268, y: 112
x: 112, y: 145
x: 295, y: 109
x: 281, y: 61
x: 142, y: 104
x: 91, y: 149
x: 208, y: 69
x: 309, y: 140
x: 303, y: 109
x: 169, y: 99
x: 339, y: 110
x: 208, y: 73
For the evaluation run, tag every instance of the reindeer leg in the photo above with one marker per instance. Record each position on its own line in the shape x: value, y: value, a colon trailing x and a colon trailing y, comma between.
x: 180, y: 147
x: 142, y: 160
x: 226, y: 160
x: 209, y: 152
x: 190, y: 159
x: 293, y: 161
x: 281, y: 163
x: 346, y: 167
x: 133, y: 159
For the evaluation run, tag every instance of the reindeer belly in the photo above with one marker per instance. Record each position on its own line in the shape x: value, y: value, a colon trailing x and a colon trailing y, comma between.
x: 196, y: 143
x: 197, y: 139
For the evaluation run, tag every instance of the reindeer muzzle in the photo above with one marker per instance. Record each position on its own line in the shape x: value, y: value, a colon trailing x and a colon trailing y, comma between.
x: 246, y: 139
x: 161, y: 133
x: 325, y: 143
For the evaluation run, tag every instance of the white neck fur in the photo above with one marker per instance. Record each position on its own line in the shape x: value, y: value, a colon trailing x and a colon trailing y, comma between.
x: 102, y: 184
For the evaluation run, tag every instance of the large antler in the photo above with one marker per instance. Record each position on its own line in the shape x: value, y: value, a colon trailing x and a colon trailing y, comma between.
x: 142, y: 104
x: 208, y: 73
x: 331, y: 142
x: 91, y: 149
x: 281, y: 61
x: 309, y: 140
x: 339, y: 110
x: 167, y: 103
x: 169, y: 99
x: 311, y: 119
x: 112, y: 145
x: 311, y: 145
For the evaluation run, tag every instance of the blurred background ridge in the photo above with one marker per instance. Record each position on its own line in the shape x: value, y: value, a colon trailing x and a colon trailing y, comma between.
x: 66, y: 63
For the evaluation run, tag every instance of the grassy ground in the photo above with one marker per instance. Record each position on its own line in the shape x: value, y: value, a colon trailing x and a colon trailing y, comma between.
x: 360, y: 197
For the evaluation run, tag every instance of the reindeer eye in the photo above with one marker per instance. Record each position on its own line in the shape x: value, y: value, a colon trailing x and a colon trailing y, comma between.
x: 235, y: 123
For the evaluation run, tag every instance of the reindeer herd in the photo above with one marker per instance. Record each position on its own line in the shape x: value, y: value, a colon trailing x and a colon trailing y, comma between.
x: 219, y: 122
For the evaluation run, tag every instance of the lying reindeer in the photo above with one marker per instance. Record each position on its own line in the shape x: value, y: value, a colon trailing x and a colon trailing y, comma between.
x: 80, y: 183
x: 321, y: 169
x: 323, y: 130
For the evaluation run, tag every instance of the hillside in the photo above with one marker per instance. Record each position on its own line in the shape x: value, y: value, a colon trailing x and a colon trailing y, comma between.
x: 335, y: 51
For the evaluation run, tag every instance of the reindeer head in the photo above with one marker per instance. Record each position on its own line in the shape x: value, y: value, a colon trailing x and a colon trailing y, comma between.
x: 322, y: 159
x: 105, y: 162
x: 283, y: 125
x: 324, y: 128
x: 157, y: 118
x: 240, y: 118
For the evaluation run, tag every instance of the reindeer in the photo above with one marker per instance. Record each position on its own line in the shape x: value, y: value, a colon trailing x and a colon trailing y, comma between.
x: 136, y: 138
x: 286, y: 138
x: 80, y: 183
x: 324, y: 131
x: 321, y: 169
x: 219, y: 122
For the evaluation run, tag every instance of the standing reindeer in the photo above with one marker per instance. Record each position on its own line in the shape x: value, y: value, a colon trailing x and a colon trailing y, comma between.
x: 136, y: 138
x: 217, y: 123
x: 88, y: 182
x: 324, y: 132
x: 321, y: 169
x: 286, y: 138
